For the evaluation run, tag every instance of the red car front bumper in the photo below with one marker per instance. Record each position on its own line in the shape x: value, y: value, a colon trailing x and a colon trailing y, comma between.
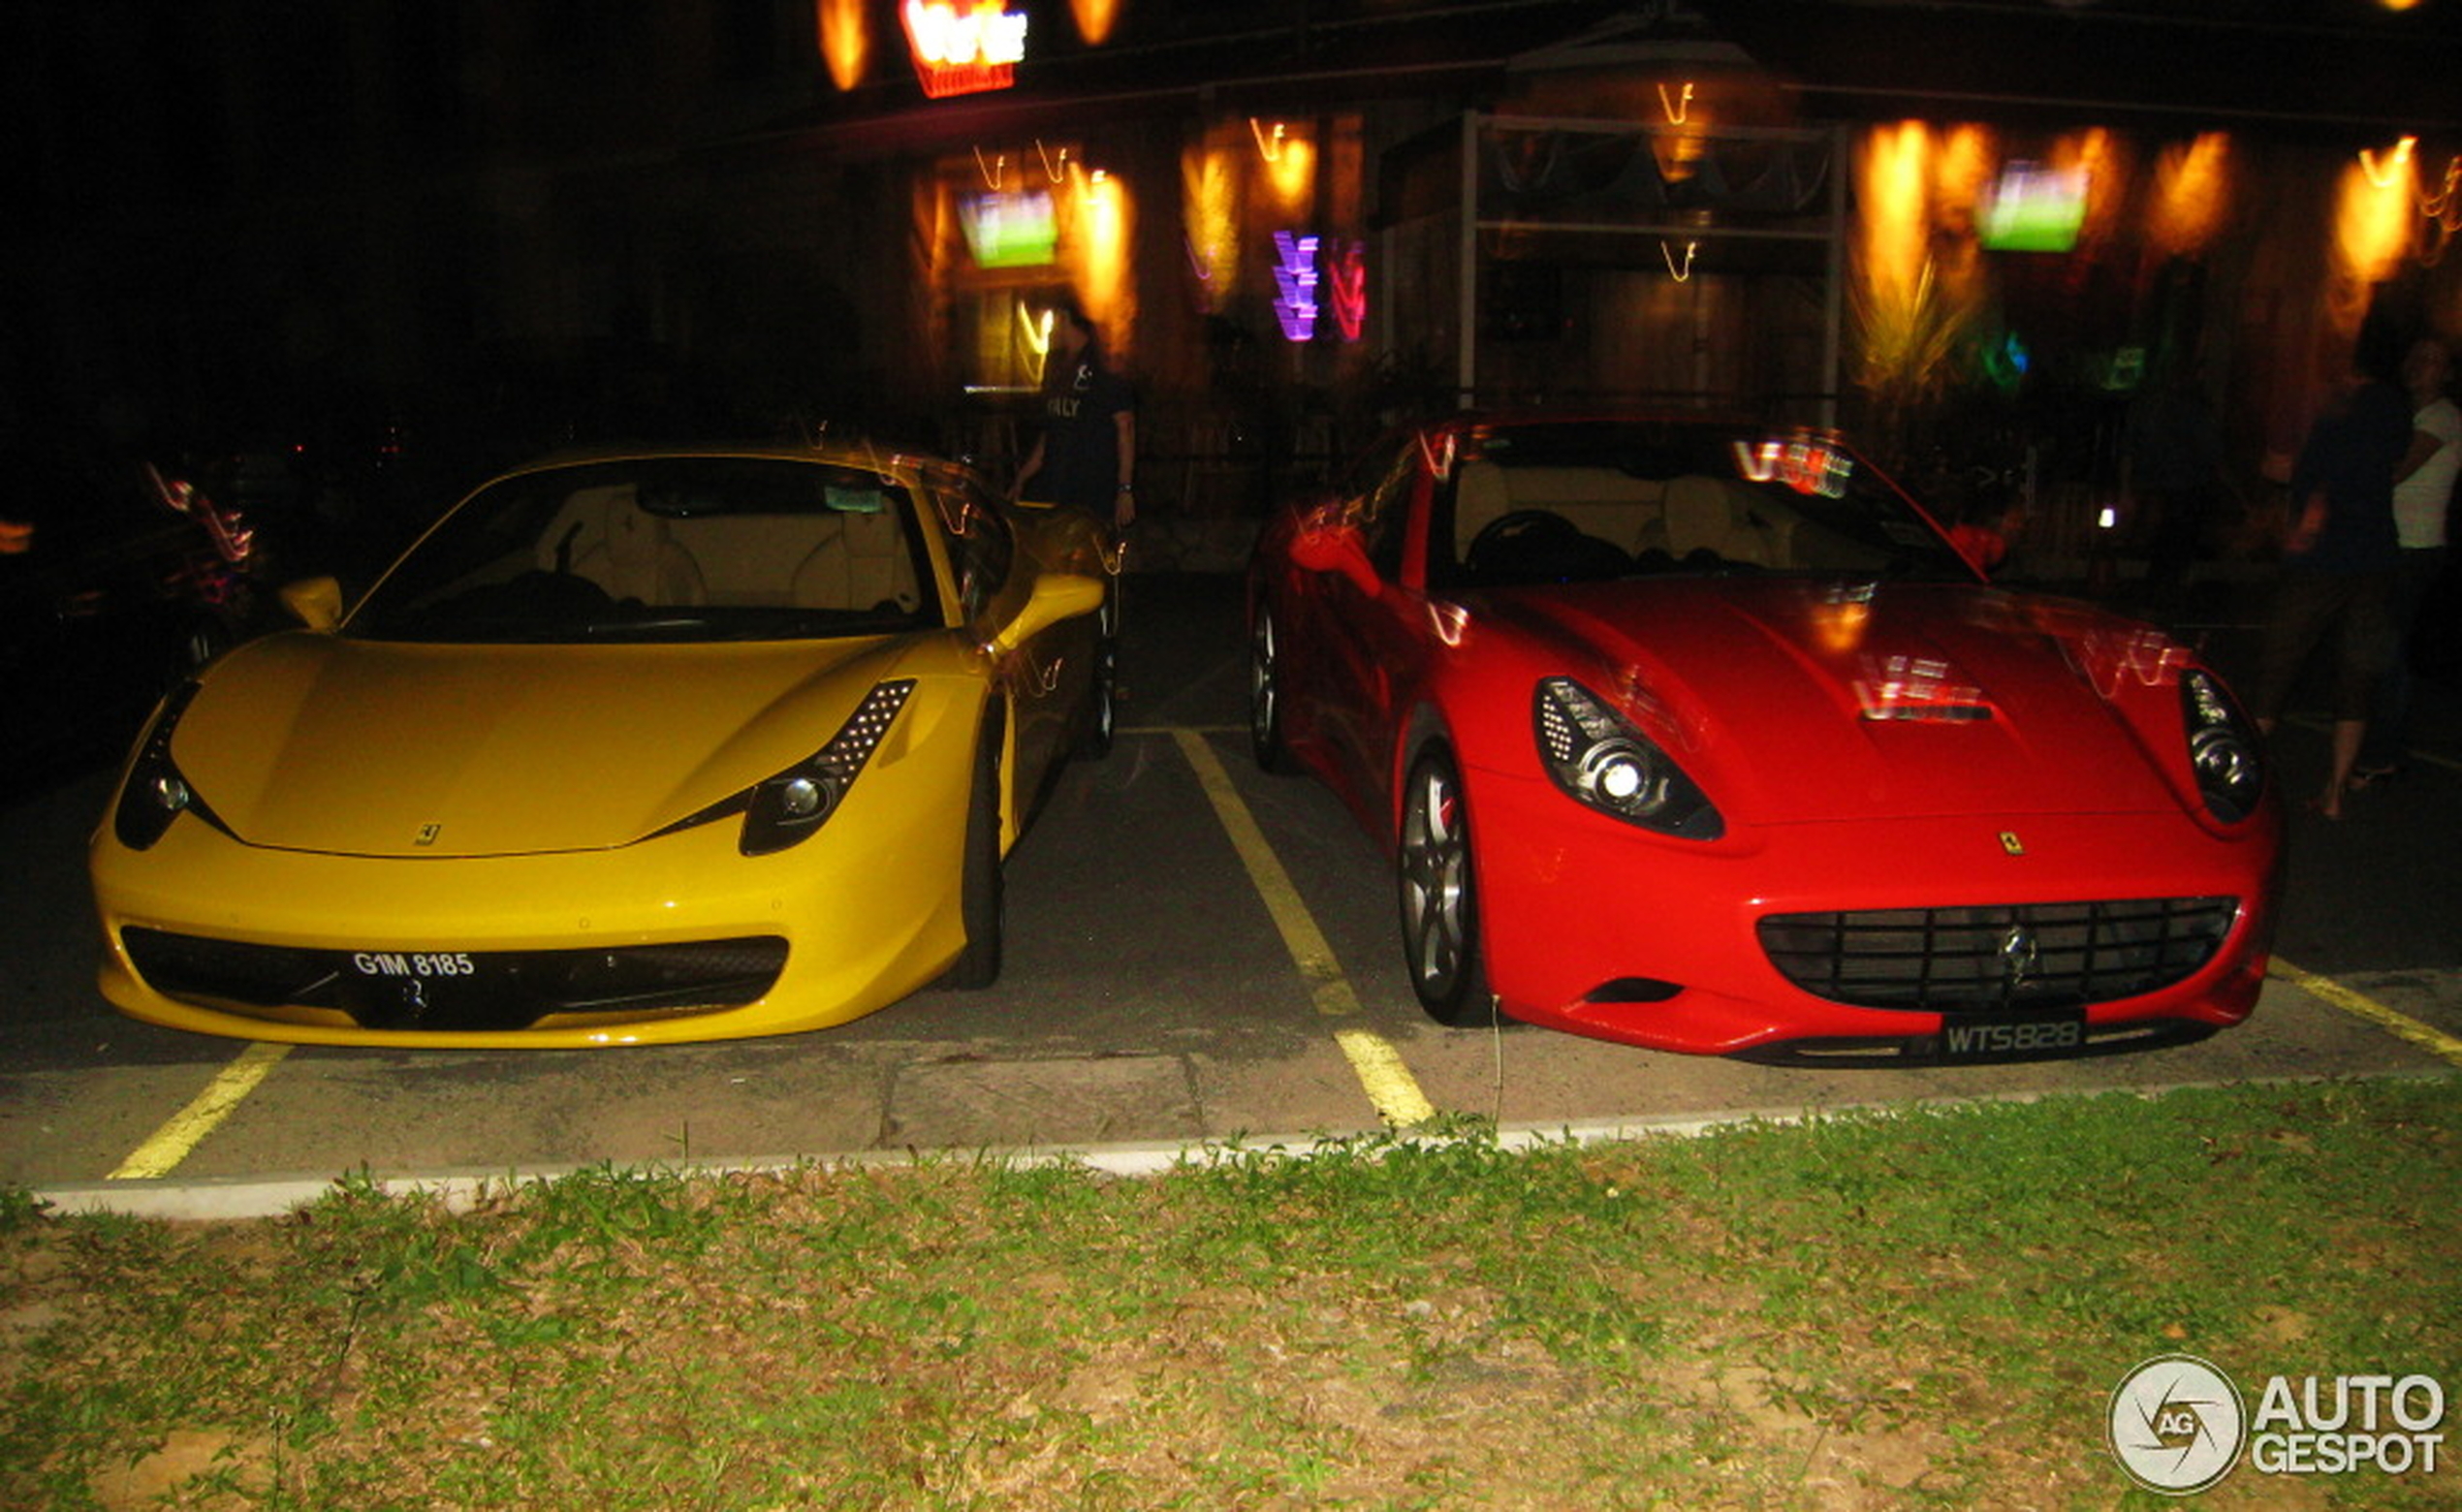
x: 1595, y: 927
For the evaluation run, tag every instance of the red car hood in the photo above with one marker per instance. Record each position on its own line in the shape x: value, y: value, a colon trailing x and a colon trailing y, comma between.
x: 1796, y: 701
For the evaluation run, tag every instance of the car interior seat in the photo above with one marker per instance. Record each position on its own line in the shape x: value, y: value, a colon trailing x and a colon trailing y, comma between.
x: 1708, y: 514
x: 604, y: 535
x: 1480, y: 498
x: 1598, y: 501
x: 862, y: 564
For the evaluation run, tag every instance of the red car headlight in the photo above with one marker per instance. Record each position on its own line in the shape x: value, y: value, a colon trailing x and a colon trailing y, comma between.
x: 1600, y: 759
x: 2224, y: 750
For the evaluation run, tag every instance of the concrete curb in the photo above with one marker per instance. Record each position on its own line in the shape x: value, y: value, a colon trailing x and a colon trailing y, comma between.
x: 236, y: 1199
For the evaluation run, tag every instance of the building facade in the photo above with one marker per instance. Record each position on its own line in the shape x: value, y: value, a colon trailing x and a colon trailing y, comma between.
x: 1974, y: 234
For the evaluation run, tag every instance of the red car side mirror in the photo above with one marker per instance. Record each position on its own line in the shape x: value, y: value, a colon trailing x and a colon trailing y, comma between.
x: 1333, y: 546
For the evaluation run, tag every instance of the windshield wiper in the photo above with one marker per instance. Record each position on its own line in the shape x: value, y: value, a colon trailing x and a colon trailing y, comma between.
x: 654, y: 625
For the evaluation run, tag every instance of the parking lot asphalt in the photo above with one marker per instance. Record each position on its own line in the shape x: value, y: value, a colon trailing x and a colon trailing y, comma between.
x: 1201, y: 955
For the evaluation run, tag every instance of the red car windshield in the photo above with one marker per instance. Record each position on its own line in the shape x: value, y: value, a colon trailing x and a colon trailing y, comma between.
x: 1586, y: 500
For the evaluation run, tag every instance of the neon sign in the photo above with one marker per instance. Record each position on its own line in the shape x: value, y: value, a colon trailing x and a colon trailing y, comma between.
x: 1298, y: 276
x: 1350, y: 291
x: 965, y: 47
x: 1803, y: 463
x: 1295, y: 285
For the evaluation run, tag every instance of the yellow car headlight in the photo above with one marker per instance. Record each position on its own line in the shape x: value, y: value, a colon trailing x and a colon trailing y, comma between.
x: 156, y: 793
x: 786, y: 809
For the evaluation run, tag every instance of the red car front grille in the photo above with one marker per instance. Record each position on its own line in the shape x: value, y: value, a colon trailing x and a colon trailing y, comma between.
x: 1986, y: 958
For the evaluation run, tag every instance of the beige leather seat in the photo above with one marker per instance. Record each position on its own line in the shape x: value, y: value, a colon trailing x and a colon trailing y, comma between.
x: 1598, y: 501
x: 1480, y: 498
x: 750, y: 559
x: 604, y: 535
x: 861, y: 565
x: 1705, y: 513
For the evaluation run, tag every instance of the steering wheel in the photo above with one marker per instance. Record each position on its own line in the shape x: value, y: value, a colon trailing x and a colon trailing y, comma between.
x: 1519, y: 527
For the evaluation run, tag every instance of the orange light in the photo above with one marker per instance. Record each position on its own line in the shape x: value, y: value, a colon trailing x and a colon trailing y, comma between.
x: 1290, y: 166
x: 2389, y: 172
x: 1094, y: 20
x: 16, y: 537
x: 1896, y: 220
x: 2193, y: 189
x: 1963, y: 168
x: 1918, y: 284
x: 2097, y: 154
x: 1035, y: 337
x: 1209, y: 189
x: 1838, y: 623
x: 846, y: 40
x: 2373, y: 215
x: 1679, y: 152
x: 1104, y: 219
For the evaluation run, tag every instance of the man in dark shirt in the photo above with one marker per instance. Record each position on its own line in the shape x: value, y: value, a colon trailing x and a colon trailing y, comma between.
x: 1085, y: 456
x: 2338, y: 563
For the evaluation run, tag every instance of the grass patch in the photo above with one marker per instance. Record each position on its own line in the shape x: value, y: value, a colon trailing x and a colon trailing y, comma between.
x: 1885, y: 1310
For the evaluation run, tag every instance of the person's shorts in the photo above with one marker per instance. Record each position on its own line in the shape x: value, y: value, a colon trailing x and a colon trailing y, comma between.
x: 2353, y: 609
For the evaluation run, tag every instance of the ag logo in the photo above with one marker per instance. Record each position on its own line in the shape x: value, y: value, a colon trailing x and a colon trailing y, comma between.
x: 2177, y: 1425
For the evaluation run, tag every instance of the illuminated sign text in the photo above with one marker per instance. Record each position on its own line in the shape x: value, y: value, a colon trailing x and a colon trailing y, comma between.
x: 1295, y: 285
x: 965, y: 47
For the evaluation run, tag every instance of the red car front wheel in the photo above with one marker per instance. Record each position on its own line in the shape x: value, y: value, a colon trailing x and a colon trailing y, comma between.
x: 1439, y: 913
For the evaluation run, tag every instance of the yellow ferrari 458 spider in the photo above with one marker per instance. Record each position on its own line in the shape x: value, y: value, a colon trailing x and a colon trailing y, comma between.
x: 628, y: 747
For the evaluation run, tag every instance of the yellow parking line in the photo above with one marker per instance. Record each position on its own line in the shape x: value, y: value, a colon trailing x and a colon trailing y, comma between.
x: 1300, y: 935
x: 2436, y: 1042
x: 170, y: 1144
x: 1389, y: 1084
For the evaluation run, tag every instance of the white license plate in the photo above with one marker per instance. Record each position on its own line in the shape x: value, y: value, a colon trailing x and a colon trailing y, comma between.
x: 2013, y: 1036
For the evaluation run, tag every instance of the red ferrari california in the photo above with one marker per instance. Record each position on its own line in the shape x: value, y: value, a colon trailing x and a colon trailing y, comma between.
x: 1700, y: 737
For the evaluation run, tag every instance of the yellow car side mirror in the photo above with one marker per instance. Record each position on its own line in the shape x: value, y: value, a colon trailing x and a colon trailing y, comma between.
x: 1057, y: 597
x: 315, y: 602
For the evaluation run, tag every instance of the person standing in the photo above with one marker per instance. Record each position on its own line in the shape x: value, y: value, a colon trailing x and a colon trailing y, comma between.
x: 2339, y: 562
x: 1086, y: 454
x: 2422, y: 496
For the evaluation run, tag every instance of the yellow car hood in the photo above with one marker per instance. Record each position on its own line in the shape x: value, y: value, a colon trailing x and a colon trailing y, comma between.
x: 314, y: 743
